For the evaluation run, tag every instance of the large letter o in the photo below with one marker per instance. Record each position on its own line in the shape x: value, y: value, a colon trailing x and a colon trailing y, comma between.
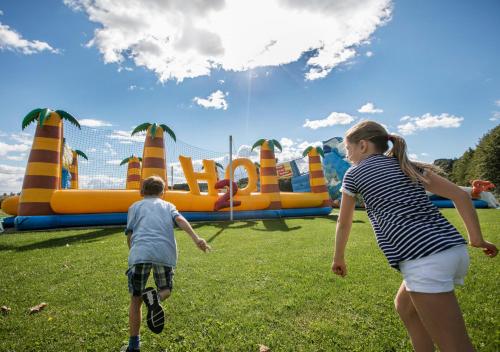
x: 252, y: 175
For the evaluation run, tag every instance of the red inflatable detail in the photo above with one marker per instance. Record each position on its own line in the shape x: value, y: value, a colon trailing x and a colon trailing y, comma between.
x: 223, y: 201
x: 479, y: 186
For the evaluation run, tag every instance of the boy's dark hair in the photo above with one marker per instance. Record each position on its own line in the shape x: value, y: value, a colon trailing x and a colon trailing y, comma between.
x: 153, y: 186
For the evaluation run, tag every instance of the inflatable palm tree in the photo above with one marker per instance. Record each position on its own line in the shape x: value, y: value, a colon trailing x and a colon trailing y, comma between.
x: 268, y: 175
x: 316, y: 175
x: 133, y: 171
x: 43, y: 172
x: 153, y: 156
x: 73, y: 168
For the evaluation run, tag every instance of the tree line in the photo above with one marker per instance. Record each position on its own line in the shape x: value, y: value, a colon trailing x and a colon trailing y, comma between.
x: 481, y: 163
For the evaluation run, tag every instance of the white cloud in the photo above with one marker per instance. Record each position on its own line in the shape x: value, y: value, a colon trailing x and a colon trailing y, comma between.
x: 93, y: 123
x: 369, y: 54
x: 125, y: 138
x: 8, y: 148
x: 101, y: 182
x: 114, y: 162
x: 497, y: 102
x: 495, y: 116
x: 335, y: 118
x: 424, y: 154
x: 11, y: 178
x: 1, y: 13
x: 220, y: 81
x: 134, y: 87
x: 427, y: 121
x: 216, y: 100
x: 286, y: 142
x: 11, y: 40
x: 369, y: 108
x: 186, y: 39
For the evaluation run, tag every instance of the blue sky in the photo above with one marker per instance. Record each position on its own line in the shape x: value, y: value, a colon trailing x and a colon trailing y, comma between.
x: 429, y: 69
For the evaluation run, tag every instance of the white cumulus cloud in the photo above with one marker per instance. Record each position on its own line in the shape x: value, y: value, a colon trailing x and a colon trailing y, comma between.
x: 11, y: 178
x: 335, y: 118
x: 93, y: 123
x: 216, y: 100
x: 13, y: 41
x: 181, y: 39
x: 495, y: 116
x: 428, y: 121
x: 369, y: 108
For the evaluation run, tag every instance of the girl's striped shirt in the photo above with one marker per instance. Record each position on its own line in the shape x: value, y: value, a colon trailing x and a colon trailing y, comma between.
x: 406, y: 223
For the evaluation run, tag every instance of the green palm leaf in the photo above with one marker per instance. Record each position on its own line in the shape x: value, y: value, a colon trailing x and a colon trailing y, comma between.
x: 30, y: 118
x: 307, y: 150
x: 126, y: 160
x: 141, y: 128
x: 218, y: 165
x: 277, y: 144
x: 169, y: 131
x: 68, y: 117
x: 154, y: 126
x: 44, y: 114
x: 258, y: 143
x: 82, y: 154
x: 140, y: 159
x: 320, y: 151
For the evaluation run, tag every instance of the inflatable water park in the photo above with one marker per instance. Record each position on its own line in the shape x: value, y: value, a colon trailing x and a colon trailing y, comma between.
x: 51, y: 196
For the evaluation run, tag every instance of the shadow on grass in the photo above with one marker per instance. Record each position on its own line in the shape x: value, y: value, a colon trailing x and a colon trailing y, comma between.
x: 332, y: 217
x: 62, y: 241
x: 276, y: 225
x: 225, y: 225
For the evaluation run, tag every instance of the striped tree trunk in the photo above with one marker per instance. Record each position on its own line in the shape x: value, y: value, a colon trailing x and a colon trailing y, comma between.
x: 268, y: 176
x: 317, y: 177
x: 43, y: 172
x: 73, y: 169
x: 134, y: 173
x: 153, y: 157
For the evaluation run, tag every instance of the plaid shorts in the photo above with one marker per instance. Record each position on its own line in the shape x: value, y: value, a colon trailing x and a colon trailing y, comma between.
x: 139, y: 273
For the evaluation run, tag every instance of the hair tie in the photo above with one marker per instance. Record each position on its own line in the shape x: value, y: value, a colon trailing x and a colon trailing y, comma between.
x: 390, y: 138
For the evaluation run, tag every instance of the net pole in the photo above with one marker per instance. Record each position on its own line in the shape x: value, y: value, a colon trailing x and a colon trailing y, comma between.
x: 172, y: 177
x: 231, y: 178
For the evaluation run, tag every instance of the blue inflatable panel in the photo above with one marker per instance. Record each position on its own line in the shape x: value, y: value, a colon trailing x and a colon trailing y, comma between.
x: 55, y: 221
x: 301, y: 183
x: 8, y: 222
x: 446, y: 203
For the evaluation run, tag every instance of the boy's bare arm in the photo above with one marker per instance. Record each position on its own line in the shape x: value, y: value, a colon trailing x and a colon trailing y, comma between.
x: 186, y: 226
x: 129, y: 237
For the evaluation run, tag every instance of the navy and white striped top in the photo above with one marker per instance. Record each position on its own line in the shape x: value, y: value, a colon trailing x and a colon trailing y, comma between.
x: 406, y: 223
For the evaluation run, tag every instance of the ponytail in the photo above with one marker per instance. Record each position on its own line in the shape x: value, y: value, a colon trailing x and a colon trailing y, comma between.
x: 413, y: 169
x: 378, y: 135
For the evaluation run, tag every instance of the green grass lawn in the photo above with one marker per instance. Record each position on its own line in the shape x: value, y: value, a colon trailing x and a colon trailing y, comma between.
x: 265, y: 282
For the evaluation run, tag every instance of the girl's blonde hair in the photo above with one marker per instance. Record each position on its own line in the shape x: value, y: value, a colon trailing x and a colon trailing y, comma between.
x: 378, y: 135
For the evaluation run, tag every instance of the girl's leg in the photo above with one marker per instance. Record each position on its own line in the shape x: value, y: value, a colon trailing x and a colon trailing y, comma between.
x: 134, y: 317
x: 442, y: 318
x: 419, y: 336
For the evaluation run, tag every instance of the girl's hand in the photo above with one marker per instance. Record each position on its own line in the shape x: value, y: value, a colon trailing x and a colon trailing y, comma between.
x: 488, y: 248
x: 339, y: 267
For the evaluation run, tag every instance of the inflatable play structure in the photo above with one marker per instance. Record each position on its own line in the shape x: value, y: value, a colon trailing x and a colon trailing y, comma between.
x: 335, y: 166
x: 51, y: 196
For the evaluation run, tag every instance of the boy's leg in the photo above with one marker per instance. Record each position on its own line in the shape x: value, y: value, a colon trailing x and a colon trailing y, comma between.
x: 420, y: 338
x: 164, y: 294
x: 134, y: 318
x: 442, y: 318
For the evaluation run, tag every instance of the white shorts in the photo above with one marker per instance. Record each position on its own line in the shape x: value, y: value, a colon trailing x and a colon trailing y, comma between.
x: 436, y: 273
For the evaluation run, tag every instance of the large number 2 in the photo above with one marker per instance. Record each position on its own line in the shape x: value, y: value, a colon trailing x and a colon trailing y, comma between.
x: 223, y: 201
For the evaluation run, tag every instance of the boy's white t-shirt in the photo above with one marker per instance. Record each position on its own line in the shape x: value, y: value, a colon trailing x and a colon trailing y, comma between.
x: 151, y: 221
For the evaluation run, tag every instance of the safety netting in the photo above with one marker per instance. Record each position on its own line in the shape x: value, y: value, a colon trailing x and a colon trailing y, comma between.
x: 106, y: 148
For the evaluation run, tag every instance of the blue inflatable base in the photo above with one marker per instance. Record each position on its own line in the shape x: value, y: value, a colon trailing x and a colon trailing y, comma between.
x: 446, y: 203
x: 8, y: 222
x: 55, y: 221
